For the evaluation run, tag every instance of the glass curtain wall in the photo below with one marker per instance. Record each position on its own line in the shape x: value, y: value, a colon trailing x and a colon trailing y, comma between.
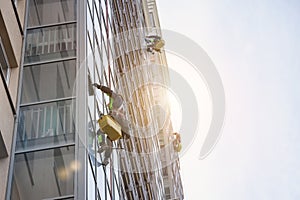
x: 103, y: 181
x: 45, y: 163
x: 109, y: 182
x: 108, y: 58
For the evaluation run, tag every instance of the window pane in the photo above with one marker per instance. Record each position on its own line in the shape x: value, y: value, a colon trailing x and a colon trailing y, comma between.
x: 3, y: 61
x: 43, y: 12
x: 44, y: 174
x: 48, y: 81
x: 50, y: 43
x: 46, y: 125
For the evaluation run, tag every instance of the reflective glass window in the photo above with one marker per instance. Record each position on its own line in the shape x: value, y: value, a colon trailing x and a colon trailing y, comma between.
x: 43, y: 12
x: 44, y: 174
x: 3, y: 62
x: 48, y: 81
x: 46, y: 124
x: 50, y: 43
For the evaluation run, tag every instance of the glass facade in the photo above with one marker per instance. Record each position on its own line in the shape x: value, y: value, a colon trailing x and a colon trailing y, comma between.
x: 44, y: 12
x: 44, y: 174
x: 56, y: 149
x: 111, y: 52
x: 50, y: 43
x: 44, y: 125
x: 44, y: 164
x: 103, y: 182
x: 48, y: 81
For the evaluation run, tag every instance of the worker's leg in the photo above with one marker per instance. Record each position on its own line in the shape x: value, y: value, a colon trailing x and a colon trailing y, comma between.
x: 102, y: 147
x: 107, y: 152
x: 106, y: 158
x: 150, y: 49
x: 101, y: 141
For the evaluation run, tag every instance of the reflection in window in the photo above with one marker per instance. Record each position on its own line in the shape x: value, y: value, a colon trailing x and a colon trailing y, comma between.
x: 152, y: 20
x: 46, y: 124
x: 43, y: 12
x: 50, y: 43
x: 3, y: 62
x: 48, y: 81
x: 44, y: 174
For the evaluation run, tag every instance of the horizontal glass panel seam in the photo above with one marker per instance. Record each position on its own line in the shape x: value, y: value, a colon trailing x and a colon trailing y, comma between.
x: 45, y: 148
x: 48, y: 101
x: 50, y: 61
x: 50, y: 25
x: 62, y: 197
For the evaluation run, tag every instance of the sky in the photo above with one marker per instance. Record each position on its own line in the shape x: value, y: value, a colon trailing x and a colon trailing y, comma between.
x: 255, y: 47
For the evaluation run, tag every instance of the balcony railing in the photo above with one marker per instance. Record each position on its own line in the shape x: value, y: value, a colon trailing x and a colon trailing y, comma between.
x: 50, y: 43
x: 46, y: 123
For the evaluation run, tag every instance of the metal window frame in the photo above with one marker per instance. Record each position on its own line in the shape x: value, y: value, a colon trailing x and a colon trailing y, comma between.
x: 70, y: 144
x: 48, y: 101
x: 53, y: 24
x: 50, y: 61
x: 12, y: 152
x: 80, y: 178
x: 66, y: 197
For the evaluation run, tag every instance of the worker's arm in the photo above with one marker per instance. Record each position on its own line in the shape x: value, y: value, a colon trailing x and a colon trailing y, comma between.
x: 104, y: 89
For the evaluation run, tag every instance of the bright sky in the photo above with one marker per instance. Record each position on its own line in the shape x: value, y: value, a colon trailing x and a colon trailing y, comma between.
x: 255, y: 46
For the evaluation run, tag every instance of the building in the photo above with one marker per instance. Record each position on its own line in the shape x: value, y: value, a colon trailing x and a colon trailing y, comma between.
x: 11, y: 39
x: 68, y: 45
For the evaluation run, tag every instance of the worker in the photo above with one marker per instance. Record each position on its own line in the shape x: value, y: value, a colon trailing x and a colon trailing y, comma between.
x: 105, y: 145
x: 177, y: 142
x: 177, y: 137
x: 154, y: 43
x: 91, y: 151
x: 116, y: 107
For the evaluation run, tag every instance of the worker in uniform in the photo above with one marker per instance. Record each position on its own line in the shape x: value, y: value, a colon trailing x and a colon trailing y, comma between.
x: 154, y: 43
x: 177, y: 142
x: 104, y: 146
x: 91, y: 151
x: 116, y: 107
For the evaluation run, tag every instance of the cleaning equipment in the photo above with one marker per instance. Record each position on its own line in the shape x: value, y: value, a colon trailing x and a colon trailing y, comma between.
x: 158, y: 45
x: 178, y: 147
x: 110, y: 127
x: 154, y: 42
